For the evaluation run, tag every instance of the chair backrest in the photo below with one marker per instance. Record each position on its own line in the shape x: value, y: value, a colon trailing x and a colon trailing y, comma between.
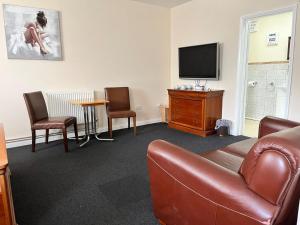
x: 118, y: 98
x: 272, y: 170
x: 36, y: 106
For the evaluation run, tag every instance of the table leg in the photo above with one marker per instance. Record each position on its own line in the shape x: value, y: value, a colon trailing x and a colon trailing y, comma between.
x: 88, y: 120
x: 95, y: 120
x: 92, y: 119
x: 95, y: 128
x: 103, y: 139
x: 86, y: 125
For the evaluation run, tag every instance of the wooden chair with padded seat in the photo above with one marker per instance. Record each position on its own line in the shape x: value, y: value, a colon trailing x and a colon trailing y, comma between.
x: 39, y: 119
x: 118, y: 106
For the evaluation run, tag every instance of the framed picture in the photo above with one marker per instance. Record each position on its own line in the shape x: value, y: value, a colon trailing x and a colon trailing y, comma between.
x: 272, y: 39
x: 253, y: 26
x: 32, y: 33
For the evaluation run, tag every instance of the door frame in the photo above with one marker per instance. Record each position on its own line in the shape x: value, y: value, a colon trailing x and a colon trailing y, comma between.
x: 243, y: 61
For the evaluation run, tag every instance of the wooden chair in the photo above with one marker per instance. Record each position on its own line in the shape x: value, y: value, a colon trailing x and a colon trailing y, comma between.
x: 40, y: 120
x: 119, y: 106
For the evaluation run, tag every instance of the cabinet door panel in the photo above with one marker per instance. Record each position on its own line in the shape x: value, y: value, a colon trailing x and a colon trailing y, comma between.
x: 187, y: 111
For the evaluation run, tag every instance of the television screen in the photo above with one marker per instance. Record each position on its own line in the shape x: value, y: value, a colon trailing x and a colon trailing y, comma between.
x: 199, y: 62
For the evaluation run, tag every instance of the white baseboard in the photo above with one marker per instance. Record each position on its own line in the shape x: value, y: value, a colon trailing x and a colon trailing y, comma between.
x: 12, y: 143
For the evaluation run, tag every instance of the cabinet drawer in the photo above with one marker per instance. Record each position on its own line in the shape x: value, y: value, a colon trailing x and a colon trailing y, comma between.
x: 187, y: 111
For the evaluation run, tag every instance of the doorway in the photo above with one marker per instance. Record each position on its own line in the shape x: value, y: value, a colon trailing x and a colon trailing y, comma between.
x: 266, y: 61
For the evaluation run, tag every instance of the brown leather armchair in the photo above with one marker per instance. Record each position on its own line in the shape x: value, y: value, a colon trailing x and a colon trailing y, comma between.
x: 253, y: 182
x: 40, y: 120
x: 118, y: 106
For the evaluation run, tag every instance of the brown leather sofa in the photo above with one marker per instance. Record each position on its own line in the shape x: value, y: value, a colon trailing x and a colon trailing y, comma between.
x: 252, y: 182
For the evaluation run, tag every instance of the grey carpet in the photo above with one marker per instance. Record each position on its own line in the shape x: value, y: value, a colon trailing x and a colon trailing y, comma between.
x: 102, y: 183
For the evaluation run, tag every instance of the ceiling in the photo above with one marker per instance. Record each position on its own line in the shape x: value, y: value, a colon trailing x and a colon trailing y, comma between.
x: 164, y: 3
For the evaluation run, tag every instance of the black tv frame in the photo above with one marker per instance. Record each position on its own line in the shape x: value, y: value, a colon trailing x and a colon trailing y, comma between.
x: 202, y: 78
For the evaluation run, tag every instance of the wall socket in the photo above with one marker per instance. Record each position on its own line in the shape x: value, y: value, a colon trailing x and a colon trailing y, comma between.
x: 139, y: 108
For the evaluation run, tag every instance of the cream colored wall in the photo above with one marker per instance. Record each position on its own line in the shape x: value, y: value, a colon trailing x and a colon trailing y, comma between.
x: 200, y: 22
x: 105, y: 43
x: 259, y: 51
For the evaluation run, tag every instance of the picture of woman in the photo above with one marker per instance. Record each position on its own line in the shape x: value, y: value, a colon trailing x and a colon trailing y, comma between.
x: 35, y: 32
x: 32, y: 33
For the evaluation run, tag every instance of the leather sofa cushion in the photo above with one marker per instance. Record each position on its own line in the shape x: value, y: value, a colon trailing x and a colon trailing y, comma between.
x: 224, y: 159
x: 121, y: 114
x: 232, y: 156
x: 54, y: 123
x: 241, y: 148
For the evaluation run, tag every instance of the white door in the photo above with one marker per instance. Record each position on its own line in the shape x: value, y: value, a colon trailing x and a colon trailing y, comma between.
x: 265, y: 67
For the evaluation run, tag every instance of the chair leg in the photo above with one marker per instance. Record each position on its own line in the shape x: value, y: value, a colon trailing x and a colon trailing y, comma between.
x: 107, y: 124
x: 128, y: 122
x: 134, y: 124
x: 33, y: 132
x: 47, y: 136
x: 64, y: 130
x: 110, y: 126
x: 76, y: 132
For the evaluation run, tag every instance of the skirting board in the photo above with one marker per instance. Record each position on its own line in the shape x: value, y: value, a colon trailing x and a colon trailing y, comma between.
x: 58, y: 136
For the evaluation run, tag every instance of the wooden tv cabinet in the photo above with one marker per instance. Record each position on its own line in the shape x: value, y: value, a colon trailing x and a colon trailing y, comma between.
x: 195, y: 112
x: 7, y: 214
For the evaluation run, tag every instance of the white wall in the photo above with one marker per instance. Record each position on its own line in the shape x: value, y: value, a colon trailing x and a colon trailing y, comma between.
x: 200, y: 22
x: 118, y: 43
x: 105, y: 43
x: 259, y: 51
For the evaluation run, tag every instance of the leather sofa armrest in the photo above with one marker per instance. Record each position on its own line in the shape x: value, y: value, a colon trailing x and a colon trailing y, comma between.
x: 224, y: 189
x: 271, y: 124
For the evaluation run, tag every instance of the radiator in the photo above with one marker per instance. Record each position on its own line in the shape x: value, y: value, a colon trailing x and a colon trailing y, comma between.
x: 59, y: 103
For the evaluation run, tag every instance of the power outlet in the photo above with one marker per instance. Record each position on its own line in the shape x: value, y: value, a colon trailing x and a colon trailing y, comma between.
x: 139, y: 108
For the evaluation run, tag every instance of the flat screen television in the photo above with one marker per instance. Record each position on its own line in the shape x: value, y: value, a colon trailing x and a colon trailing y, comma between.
x: 199, y: 62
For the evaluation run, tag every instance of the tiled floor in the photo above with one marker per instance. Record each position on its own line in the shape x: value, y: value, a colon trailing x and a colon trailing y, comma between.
x: 251, y: 128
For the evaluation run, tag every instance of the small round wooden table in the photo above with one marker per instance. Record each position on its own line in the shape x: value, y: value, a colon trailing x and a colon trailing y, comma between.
x: 89, y: 110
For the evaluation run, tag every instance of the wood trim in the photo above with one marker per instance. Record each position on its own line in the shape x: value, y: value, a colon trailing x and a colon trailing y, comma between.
x: 271, y: 62
x: 6, y: 202
x: 190, y: 129
x: 211, y: 92
x: 3, y: 153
